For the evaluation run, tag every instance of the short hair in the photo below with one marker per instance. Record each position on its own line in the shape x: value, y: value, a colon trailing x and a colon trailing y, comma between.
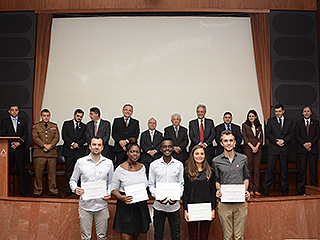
x: 95, y: 110
x: 226, y: 132
x: 13, y: 105
x: 279, y: 105
x: 166, y: 139
x: 227, y: 113
x: 45, y: 110
x: 78, y: 111
x: 130, y: 145
x: 127, y: 104
x: 175, y: 114
x: 97, y: 138
x: 307, y: 106
x: 202, y: 106
x: 152, y: 118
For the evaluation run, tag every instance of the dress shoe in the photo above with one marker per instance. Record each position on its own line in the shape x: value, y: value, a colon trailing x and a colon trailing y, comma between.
x: 251, y: 193
x: 285, y: 193
x: 68, y: 194
x: 36, y: 195
x: 299, y: 193
x: 265, y: 192
x: 257, y: 193
x: 55, y: 195
x: 23, y: 194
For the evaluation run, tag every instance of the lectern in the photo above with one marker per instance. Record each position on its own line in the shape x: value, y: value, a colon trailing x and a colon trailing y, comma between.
x: 4, y: 163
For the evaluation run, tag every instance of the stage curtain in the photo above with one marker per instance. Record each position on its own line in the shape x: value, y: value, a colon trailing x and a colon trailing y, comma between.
x: 261, y: 45
x: 43, y: 37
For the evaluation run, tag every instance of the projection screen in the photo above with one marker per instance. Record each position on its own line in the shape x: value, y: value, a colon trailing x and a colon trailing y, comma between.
x: 161, y: 65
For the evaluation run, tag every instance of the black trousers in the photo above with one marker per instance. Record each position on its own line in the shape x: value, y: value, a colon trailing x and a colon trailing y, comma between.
x: 159, y: 218
x: 271, y: 165
x: 18, y: 159
x: 70, y: 163
x: 313, y: 169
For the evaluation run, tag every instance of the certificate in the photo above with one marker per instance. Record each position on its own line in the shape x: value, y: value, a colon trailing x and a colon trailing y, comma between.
x: 168, y: 190
x: 137, y: 191
x: 199, y: 211
x: 93, y: 190
x: 233, y: 193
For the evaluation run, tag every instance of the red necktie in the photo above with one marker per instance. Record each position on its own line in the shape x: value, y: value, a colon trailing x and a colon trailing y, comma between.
x: 95, y: 128
x: 126, y: 122
x: 201, y: 131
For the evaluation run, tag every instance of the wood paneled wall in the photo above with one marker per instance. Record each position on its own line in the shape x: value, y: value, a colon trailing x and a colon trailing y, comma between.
x: 64, y: 6
x: 289, y: 217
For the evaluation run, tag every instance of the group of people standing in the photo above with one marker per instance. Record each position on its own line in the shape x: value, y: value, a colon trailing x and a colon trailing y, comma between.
x: 163, y: 158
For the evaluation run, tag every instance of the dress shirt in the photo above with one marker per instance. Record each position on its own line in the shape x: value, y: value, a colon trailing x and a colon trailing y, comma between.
x: 305, y: 121
x: 90, y: 171
x: 14, y: 122
x: 124, y: 118
x: 226, y: 126
x: 199, y: 122
x: 231, y: 173
x: 282, y: 120
x: 162, y: 172
x: 98, y: 123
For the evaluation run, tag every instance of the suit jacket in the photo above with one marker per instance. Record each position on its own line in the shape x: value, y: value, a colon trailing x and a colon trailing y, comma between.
x: 103, y: 132
x: 236, y: 131
x: 248, y: 136
x: 209, y: 134
x: 22, y: 131
x: 42, y: 135
x: 274, y: 132
x: 302, y: 138
x: 121, y: 132
x: 146, y: 145
x: 69, y: 136
x: 182, y: 141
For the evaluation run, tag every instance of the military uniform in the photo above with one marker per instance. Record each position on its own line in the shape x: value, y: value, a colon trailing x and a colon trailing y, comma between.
x: 45, y: 134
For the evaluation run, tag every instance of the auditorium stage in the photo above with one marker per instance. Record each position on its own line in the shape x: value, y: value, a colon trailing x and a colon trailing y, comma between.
x: 283, y: 217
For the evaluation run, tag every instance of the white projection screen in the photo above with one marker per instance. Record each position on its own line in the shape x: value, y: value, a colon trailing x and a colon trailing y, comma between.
x: 161, y: 65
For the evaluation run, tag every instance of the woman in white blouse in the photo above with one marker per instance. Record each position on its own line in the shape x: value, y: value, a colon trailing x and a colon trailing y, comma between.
x: 130, y: 219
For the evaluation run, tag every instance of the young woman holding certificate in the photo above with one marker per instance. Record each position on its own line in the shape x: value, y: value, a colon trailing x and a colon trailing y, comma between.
x: 199, y: 188
x: 130, y: 218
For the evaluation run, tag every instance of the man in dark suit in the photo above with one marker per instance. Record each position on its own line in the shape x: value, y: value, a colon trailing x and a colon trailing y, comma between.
x: 150, y: 143
x: 98, y: 127
x: 15, y: 126
x: 125, y: 130
x: 201, y: 132
x: 307, y: 136
x: 179, y: 136
x: 228, y: 125
x: 279, y: 132
x: 73, y: 135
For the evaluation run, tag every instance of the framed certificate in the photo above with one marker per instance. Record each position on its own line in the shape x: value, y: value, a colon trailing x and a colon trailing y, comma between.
x: 94, y: 190
x: 199, y: 211
x: 137, y: 191
x: 168, y: 190
x: 233, y: 193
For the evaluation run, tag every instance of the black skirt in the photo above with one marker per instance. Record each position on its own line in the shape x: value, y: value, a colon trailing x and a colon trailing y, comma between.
x: 131, y: 218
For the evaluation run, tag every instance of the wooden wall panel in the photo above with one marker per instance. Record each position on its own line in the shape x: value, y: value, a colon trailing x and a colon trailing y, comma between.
x: 291, y: 217
x: 155, y: 5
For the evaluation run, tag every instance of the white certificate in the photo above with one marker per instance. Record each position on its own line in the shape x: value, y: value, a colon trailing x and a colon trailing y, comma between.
x: 168, y: 190
x: 93, y: 190
x: 137, y: 191
x: 233, y: 193
x: 199, y: 211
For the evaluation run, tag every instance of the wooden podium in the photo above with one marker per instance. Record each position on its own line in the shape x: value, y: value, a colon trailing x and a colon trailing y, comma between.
x: 4, y: 163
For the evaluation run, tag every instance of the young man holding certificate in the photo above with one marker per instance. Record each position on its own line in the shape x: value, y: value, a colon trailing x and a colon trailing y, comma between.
x: 96, y: 174
x: 232, y: 180
x: 166, y: 186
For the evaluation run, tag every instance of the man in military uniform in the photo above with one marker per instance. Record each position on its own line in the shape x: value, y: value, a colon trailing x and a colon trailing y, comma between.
x: 45, y: 135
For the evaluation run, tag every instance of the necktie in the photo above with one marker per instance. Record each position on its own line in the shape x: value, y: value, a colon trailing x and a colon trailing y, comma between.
x: 126, y: 122
x: 229, y: 127
x: 46, y: 125
x: 177, y: 132
x: 15, y: 125
x: 308, y: 127
x: 77, y: 128
x: 201, y: 131
x: 95, y: 128
x: 151, y: 136
x: 280, y: 123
